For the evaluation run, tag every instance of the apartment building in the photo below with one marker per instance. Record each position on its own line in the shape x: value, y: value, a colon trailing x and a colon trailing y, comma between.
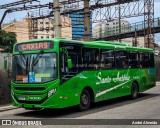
x: 42, y: 28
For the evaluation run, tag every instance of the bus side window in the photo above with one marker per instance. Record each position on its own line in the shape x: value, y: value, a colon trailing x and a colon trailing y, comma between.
x: 91, y: 58
x: 74, y: 57
x: 107, y: 59
x: 121, y: 60
x: 133, y: 60
x: 64, y: 68
x: 151, y: 60
x: 144, y: 60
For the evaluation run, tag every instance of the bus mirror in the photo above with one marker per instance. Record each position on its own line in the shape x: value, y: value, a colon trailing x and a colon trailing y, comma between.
x: 69, y: 63
x: 5, y: 63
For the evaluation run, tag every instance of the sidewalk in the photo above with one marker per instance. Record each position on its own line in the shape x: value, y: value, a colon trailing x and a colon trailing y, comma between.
x: 7, y: 107
x: 158, y: 83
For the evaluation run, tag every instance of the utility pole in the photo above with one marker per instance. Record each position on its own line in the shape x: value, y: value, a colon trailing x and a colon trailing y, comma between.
x: 57, y: 20
x: 119, y: 21
x: 86, y: 21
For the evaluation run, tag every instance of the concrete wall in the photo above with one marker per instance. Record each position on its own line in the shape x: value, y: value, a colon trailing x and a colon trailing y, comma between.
x: 5, y: 78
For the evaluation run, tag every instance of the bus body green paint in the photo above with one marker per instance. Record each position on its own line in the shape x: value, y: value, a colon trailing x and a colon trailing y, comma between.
x: 65, y: 90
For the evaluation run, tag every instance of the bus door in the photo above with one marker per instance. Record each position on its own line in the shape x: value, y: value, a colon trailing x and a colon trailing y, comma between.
x: 73, y: 53
x: 70, y: 76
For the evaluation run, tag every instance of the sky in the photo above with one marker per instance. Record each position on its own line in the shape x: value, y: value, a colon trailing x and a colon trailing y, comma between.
x: 20, y: 15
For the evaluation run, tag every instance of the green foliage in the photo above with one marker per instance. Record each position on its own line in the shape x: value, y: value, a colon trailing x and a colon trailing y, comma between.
x: 7, y: 40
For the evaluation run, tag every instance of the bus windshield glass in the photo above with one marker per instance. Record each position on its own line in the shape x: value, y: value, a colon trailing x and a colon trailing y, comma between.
x: 34, y: 68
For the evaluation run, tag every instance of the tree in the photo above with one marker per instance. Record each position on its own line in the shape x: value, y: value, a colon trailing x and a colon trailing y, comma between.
x: 7, y: 40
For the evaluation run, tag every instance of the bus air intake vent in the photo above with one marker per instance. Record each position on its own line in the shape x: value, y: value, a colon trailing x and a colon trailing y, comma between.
x: 30, y: 88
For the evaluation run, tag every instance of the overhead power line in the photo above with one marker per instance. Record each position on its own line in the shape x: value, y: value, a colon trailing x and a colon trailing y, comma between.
x: 16, y: 3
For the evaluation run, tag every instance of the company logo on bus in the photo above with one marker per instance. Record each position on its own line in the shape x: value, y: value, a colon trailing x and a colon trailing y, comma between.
x: 33, y: 46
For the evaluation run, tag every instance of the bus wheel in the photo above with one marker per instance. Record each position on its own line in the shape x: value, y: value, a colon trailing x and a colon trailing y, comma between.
x: 85, y: 100
x: 134, y: 90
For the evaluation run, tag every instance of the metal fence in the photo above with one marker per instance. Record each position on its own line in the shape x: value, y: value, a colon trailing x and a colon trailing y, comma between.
x: 127, y: 28
x: 5, y: 78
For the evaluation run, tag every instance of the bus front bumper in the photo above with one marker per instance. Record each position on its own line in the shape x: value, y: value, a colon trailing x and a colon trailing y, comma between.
x: 53, y: 101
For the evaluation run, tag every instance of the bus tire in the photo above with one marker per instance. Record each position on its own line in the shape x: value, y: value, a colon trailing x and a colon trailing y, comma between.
x: 134, y: 91
x: 85, y: 100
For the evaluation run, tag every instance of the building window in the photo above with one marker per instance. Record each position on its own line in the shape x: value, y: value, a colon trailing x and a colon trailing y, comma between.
x: 42, y: 37
x: 47, y: 22
x: 47, y: 36
x: 41, y: 22
x: 35, y: 37
x: 41, y: 28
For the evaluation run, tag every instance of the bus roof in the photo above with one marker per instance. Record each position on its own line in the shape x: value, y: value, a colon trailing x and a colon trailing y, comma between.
x: 106, y: 44
x: 111, y: 43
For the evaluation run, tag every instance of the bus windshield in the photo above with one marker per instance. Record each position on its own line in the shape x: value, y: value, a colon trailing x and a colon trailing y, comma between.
x: 34, y: 68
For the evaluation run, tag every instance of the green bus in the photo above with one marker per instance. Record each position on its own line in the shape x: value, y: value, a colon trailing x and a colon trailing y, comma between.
x: 58, y: 73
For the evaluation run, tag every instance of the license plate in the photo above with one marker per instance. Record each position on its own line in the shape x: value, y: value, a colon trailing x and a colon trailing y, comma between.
x: 22, y: 98
x: 34, y: 98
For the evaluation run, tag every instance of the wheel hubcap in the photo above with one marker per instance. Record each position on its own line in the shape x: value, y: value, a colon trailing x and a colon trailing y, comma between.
x: 134, y: 91
x: 84, y: 99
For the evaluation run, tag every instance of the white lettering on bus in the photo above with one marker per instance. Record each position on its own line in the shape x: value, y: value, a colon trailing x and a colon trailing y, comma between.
x: 103, y: 80
x: 121, y: 78
x: 124, y: 77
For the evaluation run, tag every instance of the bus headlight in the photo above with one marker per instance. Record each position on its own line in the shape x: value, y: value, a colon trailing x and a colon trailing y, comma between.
x: 51, y: 92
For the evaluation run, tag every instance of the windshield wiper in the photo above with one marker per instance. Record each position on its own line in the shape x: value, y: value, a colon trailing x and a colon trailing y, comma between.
x: 24, y: 61
x: 23, y: 58
x: 35, y: 61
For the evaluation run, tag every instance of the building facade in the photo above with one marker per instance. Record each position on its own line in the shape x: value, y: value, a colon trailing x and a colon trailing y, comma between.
x: 20, y: 28
x: 78, y: 25
x: 105, y: 29
x: 110, y: 28
x: 44, y: 28
x: 39, y: 29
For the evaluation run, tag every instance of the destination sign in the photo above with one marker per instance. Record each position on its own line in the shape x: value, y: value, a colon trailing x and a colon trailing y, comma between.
x: 33, y: 46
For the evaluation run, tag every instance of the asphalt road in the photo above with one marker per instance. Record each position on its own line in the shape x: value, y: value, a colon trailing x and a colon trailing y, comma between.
x: 147, y: 106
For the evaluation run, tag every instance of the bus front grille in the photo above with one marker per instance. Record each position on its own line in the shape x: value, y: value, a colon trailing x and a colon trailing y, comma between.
x: 30, y: 88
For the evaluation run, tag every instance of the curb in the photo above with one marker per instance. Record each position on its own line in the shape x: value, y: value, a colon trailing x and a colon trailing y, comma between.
x: 6, y: 108
x: 158, y: 82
